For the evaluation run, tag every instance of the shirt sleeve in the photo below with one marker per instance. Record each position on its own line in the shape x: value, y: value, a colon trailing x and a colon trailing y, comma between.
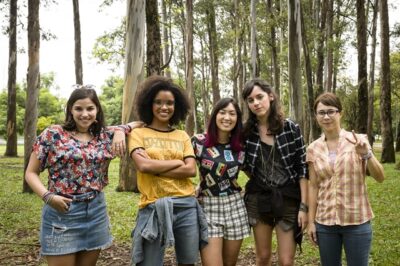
x: 187, y: 146
x: 42, y: 146
x: 135, y: 140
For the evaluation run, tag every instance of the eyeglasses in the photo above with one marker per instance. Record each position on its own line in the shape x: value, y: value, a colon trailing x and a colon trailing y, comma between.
x: 330, y: 113
x: 162, y: 103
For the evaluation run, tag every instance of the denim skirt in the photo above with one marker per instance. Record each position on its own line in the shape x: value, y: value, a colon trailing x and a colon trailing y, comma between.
x: 85, y: 226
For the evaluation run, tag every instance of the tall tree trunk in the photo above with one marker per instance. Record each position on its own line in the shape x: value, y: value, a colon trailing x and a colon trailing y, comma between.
x: 362, y: 116
x: 190, y: 121
x: 329, y: 47
x: 314, y: 132
x: 11, y: 148
x: 371, y: 96
x: 32, y: 92
x: 134, y: 75
x: 274, y: 52
x: 295, y: 88
x: 253, y: 39
x: 204, y: 85
x: 166, y: 25
x: 320, y: 48
x: 78, y: 53
x: 153, y: 51
x: 236, y: 26
x: 213, y: 44
x: 388, y: 155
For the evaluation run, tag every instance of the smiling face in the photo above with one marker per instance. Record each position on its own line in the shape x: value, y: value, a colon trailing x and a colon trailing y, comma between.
x: 259, y: 102
x: 226, y: 119
x: 84, y: 113
x: 163, y: 107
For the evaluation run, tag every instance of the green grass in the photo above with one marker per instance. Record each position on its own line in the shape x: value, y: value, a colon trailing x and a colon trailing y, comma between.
x: 20, y: 214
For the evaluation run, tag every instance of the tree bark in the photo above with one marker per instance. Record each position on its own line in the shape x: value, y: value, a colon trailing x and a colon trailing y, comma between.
x: 153, y: 51
x: 329, y: 47
x: 213, y: 44
x: 295, y: 88
x: 388, y: 154
x: 274, y: 51
x: 314, y: 132
x: 320, y: 48
x: 32, y: 92
x: 134, y: 75
x: 253, y: 40
x: 78, y: 53
x: 190, y: 121
x: 165, y: 36
x: 11, y: 147
x: 362, y: 116
x: 371, y: 96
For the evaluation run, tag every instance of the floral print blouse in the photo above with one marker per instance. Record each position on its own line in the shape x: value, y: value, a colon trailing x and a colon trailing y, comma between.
x: 75, y: 166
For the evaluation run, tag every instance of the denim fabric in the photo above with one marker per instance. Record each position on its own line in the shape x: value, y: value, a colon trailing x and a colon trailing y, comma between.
x: 152, y: 232
x: 85, y: 226
x: 356, y: 240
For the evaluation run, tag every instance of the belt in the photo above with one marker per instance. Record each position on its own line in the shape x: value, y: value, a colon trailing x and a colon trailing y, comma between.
x: 83, y: 197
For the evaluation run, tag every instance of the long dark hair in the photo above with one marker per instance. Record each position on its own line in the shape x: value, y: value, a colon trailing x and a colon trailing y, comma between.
x: 148, y: 91
x: 83, y: 92
x: 212, y: 129
x: 275, y: 118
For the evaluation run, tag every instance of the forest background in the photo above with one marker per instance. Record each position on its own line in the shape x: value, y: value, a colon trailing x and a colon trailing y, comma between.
x: 212, y: 48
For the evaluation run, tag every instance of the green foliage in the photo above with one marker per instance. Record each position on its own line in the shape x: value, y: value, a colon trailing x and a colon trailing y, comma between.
x: 50, y: 107
x: 111, y: 100
x: 110, y: 47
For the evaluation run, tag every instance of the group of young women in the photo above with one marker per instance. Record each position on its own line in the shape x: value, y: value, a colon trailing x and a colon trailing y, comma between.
x: 287, y: 190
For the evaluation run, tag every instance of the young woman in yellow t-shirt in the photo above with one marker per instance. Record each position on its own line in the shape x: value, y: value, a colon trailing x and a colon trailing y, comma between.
x: 163, y: 156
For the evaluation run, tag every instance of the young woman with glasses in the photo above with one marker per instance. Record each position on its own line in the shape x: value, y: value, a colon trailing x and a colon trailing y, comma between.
x: 339, y: 210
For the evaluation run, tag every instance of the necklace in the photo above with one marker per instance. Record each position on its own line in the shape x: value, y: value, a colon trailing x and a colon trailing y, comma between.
x: 268, y: 162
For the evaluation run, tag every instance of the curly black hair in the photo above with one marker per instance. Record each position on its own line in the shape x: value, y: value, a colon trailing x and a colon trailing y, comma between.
x: 148, y: 91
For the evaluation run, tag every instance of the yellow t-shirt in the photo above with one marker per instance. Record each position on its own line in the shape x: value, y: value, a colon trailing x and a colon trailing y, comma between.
x: 161, y: 145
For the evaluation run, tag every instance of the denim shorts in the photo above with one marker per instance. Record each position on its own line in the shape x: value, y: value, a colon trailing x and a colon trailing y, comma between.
x: 85, y: 226
x: 226, y: 217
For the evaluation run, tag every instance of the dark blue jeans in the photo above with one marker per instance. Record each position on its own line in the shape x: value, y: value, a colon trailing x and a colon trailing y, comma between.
x: 356, y: 240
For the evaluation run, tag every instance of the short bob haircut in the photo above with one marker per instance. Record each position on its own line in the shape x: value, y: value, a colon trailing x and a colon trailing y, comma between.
x: 212, y: 130
x: 148, y: 91
x: 276, y: 115
x: 83, y: 92
x: 328, y: 99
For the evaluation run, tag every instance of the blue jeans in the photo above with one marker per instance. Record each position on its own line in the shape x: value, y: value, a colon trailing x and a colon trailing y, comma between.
x: 356, y: 240
x: 186, y: 234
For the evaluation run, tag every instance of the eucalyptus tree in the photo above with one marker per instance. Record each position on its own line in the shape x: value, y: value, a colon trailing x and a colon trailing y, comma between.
x: 11, y: 147
x: 78, y: 50
x: 388, y: 154
x: 134, y: 74
x: 31, y: 107
x: 362, y: 117
x: 371, y: 85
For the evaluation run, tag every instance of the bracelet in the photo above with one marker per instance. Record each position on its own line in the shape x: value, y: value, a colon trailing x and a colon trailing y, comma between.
x: 47, y: 197
x: 366, y: 156
x: 303, y: 207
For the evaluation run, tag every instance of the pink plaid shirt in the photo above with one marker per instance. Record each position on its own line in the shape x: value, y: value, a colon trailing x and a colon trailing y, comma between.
x: 342, y: 196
